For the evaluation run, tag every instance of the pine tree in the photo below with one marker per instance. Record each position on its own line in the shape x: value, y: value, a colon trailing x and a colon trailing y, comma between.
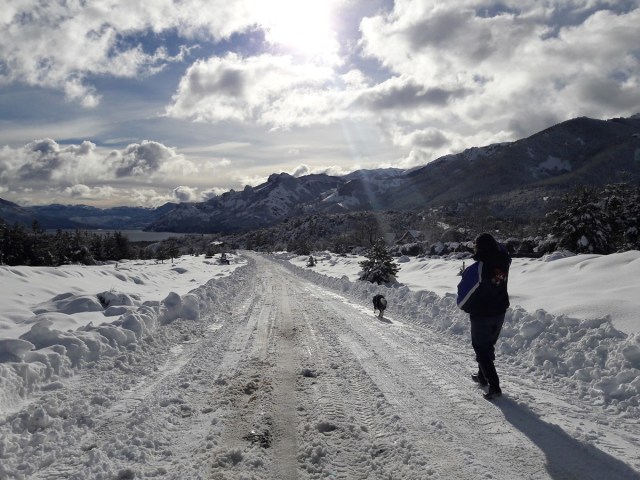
x: 614, y: 200
x: 584, y: 225
x: 631, y: 216
x: 379, y: 266
x: 121, y: 246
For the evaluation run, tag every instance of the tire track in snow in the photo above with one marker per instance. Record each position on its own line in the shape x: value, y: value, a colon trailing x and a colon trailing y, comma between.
x: 284, y: 397
x: 356, y: 434
x: 259, y: 425
x: 327, y: 409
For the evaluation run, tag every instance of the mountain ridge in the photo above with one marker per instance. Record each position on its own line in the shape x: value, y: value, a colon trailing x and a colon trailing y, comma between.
x: 521, y: 179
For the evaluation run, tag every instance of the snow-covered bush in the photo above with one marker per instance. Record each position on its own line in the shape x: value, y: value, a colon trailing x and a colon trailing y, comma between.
x: 599, y: 221
x: 409, y: 249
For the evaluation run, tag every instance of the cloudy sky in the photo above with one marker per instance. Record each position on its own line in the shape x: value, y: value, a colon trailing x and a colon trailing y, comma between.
x: 119, y: 102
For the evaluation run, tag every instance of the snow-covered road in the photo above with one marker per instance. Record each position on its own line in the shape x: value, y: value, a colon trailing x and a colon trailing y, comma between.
x: 286, y: 379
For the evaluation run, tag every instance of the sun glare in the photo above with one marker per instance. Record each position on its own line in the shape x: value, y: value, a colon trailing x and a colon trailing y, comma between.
x: 303, y: 27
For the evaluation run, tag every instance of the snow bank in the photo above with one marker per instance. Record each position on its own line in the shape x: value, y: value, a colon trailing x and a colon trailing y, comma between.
x: 60, y: 340
x: 561, y: 283
x: 589, y: 356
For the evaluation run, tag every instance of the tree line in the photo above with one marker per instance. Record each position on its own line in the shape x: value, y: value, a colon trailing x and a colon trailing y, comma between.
x: 20, y: 245
x: 599, y: 220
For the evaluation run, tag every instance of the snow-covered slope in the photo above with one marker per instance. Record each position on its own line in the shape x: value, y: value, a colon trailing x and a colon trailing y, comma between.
x: 281, y: 196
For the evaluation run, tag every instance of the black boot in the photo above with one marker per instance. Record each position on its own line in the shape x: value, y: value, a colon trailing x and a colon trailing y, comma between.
x: 479, y: 379
x: 494, y: 392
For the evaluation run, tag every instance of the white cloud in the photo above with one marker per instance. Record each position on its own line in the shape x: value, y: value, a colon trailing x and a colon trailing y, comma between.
x: 78, y: 191
x: 416, y: 157
x: 333, y: 170
x: 148, y: 196
x: 45, y: 160
x: 212, y: 192
x: 405, y: 93
x: 503, y: 71
x: 252, y: 181
x: 60, y: 45
x: 338, y: 170
x: 454, y: 75
x: 147, y: 158
x: 430, y: 138
x: 301, y: 170
x: 185, y: 194
x: 83, y: 192
x: 268, y: 89
x: 355, y: 79
x: 80, y: 171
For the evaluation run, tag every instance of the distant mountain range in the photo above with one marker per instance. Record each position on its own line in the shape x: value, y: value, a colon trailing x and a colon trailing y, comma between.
x: 82, y: 216
x: 521, y: 179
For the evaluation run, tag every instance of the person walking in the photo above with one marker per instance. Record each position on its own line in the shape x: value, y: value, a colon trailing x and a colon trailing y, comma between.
x: 482, y: 293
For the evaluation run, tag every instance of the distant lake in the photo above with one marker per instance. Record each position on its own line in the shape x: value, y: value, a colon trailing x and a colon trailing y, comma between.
x: 134, y: 235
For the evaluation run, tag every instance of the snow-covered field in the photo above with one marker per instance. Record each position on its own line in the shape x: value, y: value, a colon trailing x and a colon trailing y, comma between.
x: 269, y: 369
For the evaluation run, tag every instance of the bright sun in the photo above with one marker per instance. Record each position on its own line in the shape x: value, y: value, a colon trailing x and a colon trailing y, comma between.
x: 301, y: 26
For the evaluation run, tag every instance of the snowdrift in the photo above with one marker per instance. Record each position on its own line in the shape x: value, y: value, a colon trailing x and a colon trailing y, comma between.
x: 55, y: 347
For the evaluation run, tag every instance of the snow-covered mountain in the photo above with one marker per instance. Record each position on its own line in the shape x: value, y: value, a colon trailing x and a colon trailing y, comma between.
x: 522, y: 179
x: 525, y: 178
x: 13, y: 213
x: 91, y: 217
x: 281, y: 196
x: 82, y: 216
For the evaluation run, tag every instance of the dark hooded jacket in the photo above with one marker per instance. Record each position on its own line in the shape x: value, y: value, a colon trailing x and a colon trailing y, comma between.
x: 482, y: 291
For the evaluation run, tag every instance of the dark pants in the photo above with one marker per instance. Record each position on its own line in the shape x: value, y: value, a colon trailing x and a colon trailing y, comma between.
x: 484, y: 335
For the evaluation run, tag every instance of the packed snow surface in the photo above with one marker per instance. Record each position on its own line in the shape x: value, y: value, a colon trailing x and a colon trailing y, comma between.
x: 266, y: 368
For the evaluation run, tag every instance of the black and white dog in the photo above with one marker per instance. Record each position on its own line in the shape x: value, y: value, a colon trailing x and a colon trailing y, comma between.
x: 379, y: 304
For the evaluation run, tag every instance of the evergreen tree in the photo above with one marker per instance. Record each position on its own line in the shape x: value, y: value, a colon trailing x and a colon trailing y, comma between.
x: 599, y: 221
x: 96, y: 247
x: 61, y: 246
x: 615, y: 203
x: 121, y: 246
x: 39, y: 246
x: 4, y: 232
x: 584, y: 225
x: 15, y: 245
x: 631, y: 216
x: 299, y: 246
x: 379, y: 266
